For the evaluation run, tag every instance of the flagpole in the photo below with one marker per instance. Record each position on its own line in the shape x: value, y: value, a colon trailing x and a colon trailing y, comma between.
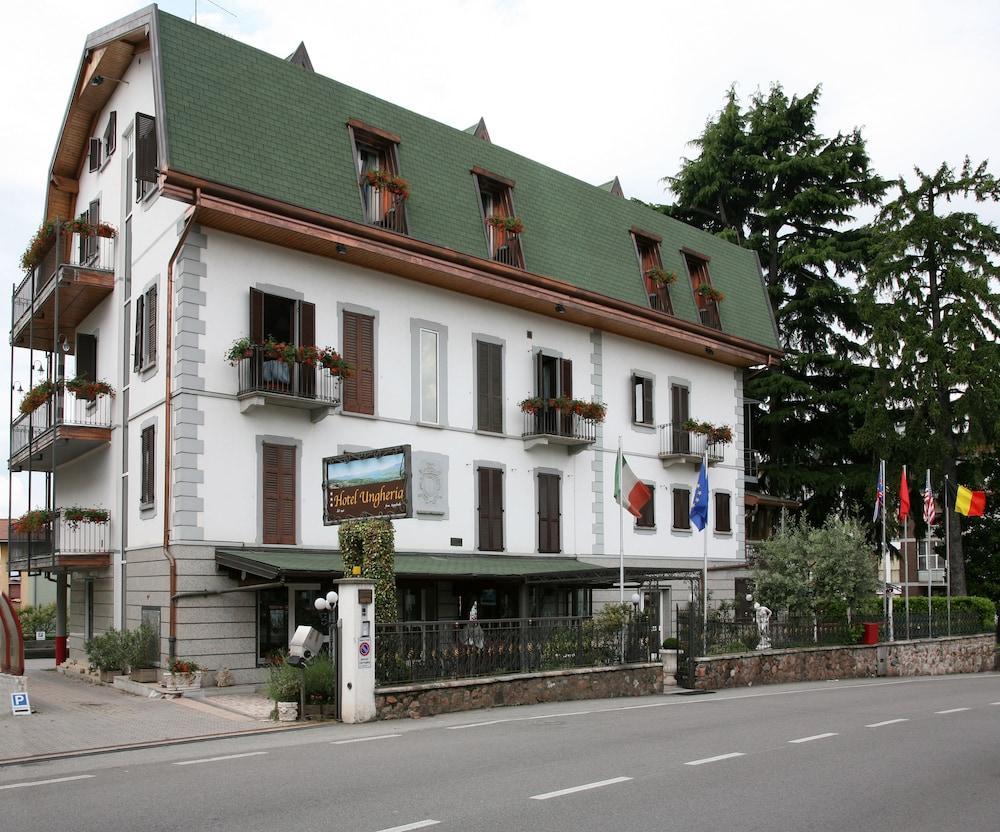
x: 906, y: 560
x: 930, y: 572
x: 947, y: 549
x: 704, y: 574
x: 621, y: 527
x: 885, y: 555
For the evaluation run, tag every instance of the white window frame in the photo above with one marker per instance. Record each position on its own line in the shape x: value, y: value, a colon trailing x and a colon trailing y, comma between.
x: 424, y: 417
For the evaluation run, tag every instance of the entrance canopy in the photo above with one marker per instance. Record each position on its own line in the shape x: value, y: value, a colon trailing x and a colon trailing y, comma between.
x: 299, y: 564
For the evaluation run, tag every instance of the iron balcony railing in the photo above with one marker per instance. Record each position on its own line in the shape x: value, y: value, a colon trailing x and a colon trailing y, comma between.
x: 65, y: 250
x: 63, y: 408
x: 384, y: 208
x: 259, y: 374
x: 506, y: 248
x: 553, y: 421
x: 676, y: 441
x: 59, y: 536
x: 418, y: 651
x: 709, y: 315
x: 751, y: 463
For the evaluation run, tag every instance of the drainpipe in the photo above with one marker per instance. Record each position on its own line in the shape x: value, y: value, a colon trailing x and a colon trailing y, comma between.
x: 204, y: 593
x: 167, y: 406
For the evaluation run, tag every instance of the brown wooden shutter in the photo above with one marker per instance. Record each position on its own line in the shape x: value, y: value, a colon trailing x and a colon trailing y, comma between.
x: 111, y: 133
x: 723, y: 519
x: 549, y: 513
x: 256, y: 316
x: 682, y: 509
x: 86, y: 356
x: 489, y: 386
x: 139, y: 318
x: 679, y: 414
x: 647, y: 401
x: 351, y: 357
x: 647, y: 514
x: 278, y: 494
x: 146, y: 160
x: 490, y: 509
x: 566, y: 377
x: 150, y: 356
x: 95, y: 155
x: 147, y: 461
x: 307, y: 324
x: 366, y: 364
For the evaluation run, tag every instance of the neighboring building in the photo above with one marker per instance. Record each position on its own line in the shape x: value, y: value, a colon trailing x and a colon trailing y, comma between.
x: 24, y: 589
x: 911, y: 570
x: 254, y: 198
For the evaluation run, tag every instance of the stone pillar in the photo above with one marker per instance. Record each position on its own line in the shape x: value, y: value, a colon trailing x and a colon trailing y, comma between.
x: 356, y: 608
x: 61, y: 615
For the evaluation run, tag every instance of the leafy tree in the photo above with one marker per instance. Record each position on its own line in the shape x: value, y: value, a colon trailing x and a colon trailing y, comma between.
x: 929, y: 297
x: 806, y: 569
x: 766, y: 178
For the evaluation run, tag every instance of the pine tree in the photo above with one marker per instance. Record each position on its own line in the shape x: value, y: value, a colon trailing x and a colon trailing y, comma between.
x: 767, y: 179
x: 930, y: 299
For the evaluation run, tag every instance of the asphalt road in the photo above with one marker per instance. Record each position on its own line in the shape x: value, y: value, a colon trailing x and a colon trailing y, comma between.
x: 908, y: 755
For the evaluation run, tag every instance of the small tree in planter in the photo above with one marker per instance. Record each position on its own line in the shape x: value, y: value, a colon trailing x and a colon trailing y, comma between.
x: 184, y: 674
x: 109, y: 653
x: 143, y: 654
x: 284, y: 685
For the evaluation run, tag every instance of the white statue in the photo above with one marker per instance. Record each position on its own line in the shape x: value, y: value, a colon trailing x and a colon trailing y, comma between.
x: 763, y: 616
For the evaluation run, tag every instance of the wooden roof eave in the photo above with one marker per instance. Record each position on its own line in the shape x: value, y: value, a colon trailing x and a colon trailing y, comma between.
x: 249, y: 215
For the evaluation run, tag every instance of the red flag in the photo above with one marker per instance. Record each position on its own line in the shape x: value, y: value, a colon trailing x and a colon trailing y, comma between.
x: 904, y: 497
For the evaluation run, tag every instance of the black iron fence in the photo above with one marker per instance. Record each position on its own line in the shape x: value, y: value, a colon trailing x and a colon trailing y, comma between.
x: 959, y: 623
x: 418, y: 651
x: 259, y: 373
x: 675, y: 440
x: 554, y: 421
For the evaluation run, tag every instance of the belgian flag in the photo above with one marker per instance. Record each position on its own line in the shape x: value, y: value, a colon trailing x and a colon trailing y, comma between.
x: 970, y: 503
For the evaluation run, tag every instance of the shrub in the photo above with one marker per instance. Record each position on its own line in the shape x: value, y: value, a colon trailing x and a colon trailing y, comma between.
x: 143, y: 647
x: 110, y: 651
x: 38, y: 618
x: 960, y: 604
x: 283, y: 683
x: 671, y: 644
x: 321, y: 676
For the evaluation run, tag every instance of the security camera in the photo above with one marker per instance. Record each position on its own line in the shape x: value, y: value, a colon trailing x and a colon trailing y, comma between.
x: 305, y: 644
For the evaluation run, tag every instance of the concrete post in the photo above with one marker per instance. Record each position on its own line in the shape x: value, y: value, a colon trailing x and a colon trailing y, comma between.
x: 61, y: 615
x: 356, y: 609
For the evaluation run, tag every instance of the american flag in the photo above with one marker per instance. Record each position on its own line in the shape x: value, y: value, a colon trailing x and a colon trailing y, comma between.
x: 880, y: 492
x: 929, y: 502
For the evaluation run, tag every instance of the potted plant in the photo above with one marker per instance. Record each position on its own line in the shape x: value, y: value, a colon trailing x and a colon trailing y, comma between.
x: 74, y: 515
x: 33, y: 521
x: 109, y: 654
x: 398, y: 187
x: 330, y: 359
x: 143, y: 654
x: 241, y: 348
x: 283, y: 687
x: 87, y: 390
x: 37, y: 246
x: 716, y: 434
x: 668, y: 655
x: 594, y: 411
x: 661, y: 277
x: 184, y: 674
x: 37, y: 396
x: 532, y: 405
x: 710, y: 293
x: 512, y: 225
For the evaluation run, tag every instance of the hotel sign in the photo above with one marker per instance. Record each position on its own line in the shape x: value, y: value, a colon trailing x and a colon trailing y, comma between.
x: 367, y: 484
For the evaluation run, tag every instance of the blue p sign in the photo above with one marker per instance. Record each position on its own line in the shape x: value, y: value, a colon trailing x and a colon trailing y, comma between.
x: 19, y: 704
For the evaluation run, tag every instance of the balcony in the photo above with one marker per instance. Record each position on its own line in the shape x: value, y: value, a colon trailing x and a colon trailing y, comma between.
x: 555, y: 426
x: 61, y: 543
x: 61, y: 429
x: 509, y: 252
x: 678, y: 445
x: 751, y: 465
x: 264, y: 380
x: 83, y: 266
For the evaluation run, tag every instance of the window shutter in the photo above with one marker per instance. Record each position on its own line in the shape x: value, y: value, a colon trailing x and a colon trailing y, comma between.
x: 147, y: 466
x: 278, y: 491
x: 95, y: 155
x: 146, y: 160
x: 549, y: 513
x: 139, y: 318
x: 111, y: 133
x: 256, y: 316
x: 723, y: 519
x: 490, y: 509
x: 150, y: 356
x: 682, y: 509
x: 679, y: 414
x: 566, y: 377
x: 307, y: 324
x: 351, y: 357
x: 366, y: 365
x: 647, y: 401
x: 269, y: 491
x: 489, y: 386
x: 86, y: 356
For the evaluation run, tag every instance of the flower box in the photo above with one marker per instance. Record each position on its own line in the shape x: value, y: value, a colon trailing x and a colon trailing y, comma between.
x: 144, y: 674
x: 179, y: 682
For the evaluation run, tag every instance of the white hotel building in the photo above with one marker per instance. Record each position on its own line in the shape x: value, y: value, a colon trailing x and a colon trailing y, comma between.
x: 237, y: 186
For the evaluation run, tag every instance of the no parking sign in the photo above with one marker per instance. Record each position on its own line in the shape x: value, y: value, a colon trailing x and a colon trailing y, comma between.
x: 19, y: 704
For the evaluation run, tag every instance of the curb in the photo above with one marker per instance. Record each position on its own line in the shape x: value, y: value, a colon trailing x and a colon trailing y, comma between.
x: 136, y: 746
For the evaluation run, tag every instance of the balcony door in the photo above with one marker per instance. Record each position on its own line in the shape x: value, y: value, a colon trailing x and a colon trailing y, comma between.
x: 284, y: 321
x: 680, y: 412
x: 553, y: 378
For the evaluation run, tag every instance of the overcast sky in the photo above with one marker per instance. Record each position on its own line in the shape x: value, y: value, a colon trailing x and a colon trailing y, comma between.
x: 596, y: 89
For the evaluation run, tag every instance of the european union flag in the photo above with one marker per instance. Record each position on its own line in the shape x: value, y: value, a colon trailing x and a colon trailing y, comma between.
x: 699, y: 506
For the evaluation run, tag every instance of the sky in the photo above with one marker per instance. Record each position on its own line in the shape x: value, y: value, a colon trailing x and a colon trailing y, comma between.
x: 595, y: 89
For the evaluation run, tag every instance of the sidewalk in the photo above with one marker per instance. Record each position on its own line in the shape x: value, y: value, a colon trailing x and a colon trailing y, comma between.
x: 74, y: 715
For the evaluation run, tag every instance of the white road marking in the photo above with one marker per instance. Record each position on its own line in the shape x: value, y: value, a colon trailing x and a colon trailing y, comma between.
x: 582, y: 788
x: 995, y: 703
x: 715, y: 759
x: 513, y: 719
x: 553, y: 716
x: 952, y: 710
x: 366, y: 739
x: 814, y: 737
x: 887, y: 722
x: 217, y: 759
x: 46, y: 782
x: 475, y: 724
x: 420, y: 824
x: 634, y: 707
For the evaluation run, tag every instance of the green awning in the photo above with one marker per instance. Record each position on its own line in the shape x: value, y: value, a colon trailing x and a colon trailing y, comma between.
x: 289, y: 564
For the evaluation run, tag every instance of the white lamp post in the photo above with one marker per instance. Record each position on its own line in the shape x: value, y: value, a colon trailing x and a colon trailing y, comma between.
x: 327, y: 606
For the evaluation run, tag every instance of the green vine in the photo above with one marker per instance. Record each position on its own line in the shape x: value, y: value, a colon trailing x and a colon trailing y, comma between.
x: 371, y: 545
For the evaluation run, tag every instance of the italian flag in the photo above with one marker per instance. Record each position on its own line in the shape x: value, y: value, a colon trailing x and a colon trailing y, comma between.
x: 630, y: 493
x: 970, y: 503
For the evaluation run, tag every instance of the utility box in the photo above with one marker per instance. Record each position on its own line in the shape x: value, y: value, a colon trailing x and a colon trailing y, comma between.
x: 870, y: 635
x: 356, y: 657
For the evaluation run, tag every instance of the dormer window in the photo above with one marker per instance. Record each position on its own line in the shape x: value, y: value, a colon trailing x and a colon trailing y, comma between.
x: 502, y: 225
x: 383, y: 191
x: 654, y: 278
x: 706, y: 298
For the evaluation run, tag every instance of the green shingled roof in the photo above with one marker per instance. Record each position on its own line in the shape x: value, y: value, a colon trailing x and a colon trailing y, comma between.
x: 241, y: 117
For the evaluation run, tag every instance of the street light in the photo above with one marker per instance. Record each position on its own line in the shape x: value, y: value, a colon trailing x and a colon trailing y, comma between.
x: 636, y: 599
x: 326, y: 606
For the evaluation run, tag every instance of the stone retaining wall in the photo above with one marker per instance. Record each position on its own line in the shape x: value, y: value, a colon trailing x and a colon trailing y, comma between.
x: 917, y: 657
x: 447, y: 696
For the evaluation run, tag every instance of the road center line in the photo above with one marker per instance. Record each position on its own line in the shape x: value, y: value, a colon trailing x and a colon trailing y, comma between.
x: 46, y: 782
x: 553, y: 716
x: 995, y: 703
x: 365, y: 739
x: 475, y: 724
x: 582, y: 788
x: 715, y: 759
x: 217, y: 759
x: 952, y: 710
x: 814, y: 737
x: 887, y: 722
x: 420, y: 824
x: 514, y: 719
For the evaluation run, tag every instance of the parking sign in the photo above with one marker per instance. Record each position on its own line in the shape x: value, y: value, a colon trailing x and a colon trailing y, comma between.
x: 19, y: 704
